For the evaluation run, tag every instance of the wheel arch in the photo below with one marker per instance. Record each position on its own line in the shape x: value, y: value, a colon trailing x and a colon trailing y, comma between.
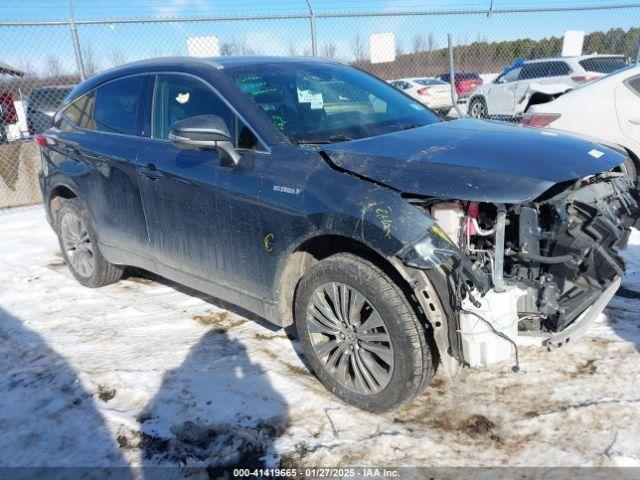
x: 317, y: 248
x: 59, y: 194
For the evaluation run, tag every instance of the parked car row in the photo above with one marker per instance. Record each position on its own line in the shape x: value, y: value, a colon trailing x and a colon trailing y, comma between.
x: 527, y: 83
x: 519, y: 86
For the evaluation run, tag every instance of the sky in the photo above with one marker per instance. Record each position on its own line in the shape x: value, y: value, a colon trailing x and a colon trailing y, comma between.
x: 34, y: 47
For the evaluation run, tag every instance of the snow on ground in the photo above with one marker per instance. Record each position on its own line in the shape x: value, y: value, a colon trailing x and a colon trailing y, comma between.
x: 145, y: 372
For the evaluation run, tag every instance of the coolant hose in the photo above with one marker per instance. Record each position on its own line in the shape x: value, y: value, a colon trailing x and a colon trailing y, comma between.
x: 498, y: 268
x: 548, y: 260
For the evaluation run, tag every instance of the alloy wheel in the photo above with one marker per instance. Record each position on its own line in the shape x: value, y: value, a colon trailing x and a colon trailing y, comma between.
x: 77, y: 244
x: 478, y: 109
x: 350, y: 338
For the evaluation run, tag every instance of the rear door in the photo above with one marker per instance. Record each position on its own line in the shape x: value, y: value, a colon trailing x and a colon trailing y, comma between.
x: 100, y: 137
x: 555, y: 71
x: 202, y: 211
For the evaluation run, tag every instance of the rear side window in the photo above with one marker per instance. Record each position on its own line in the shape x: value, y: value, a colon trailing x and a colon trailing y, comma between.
x: 178, y: 97
x: 603, y: 64
x: 116, y: 105
x: 544, y: 69
x: 80, y: 112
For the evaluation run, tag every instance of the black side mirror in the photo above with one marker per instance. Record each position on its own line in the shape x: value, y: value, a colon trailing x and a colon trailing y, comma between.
x: 203, y: 132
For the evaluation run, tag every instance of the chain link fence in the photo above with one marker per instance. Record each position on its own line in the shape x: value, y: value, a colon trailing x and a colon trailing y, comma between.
x: 41, y: 61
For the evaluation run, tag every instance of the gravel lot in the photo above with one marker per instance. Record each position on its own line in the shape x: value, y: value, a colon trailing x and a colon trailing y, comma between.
x: 146, y: 372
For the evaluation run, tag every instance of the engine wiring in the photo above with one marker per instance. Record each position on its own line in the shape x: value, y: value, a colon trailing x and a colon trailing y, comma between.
x: 462, y: 288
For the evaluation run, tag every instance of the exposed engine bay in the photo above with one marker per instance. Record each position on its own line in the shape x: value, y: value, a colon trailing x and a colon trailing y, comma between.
x: 535, y: 269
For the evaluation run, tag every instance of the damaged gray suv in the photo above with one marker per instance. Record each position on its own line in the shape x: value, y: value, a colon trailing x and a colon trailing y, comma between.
x: 309, y: 192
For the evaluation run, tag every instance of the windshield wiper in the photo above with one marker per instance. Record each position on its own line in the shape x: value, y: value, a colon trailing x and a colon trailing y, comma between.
x: 330, y: 139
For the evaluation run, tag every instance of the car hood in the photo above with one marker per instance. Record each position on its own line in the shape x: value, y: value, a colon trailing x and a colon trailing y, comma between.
x: 473, y: 160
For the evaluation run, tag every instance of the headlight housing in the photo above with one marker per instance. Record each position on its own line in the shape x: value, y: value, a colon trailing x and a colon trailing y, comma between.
x: 431, y: 250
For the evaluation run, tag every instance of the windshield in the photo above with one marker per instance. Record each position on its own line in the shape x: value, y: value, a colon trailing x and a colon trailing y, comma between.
x: 323, y: 103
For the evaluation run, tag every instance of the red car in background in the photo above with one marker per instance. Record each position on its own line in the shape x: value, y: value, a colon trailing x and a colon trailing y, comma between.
x: 466, y: 82
x: 8, y: 114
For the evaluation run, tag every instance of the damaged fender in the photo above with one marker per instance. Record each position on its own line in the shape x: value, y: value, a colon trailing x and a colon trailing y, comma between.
x: 548, y: 90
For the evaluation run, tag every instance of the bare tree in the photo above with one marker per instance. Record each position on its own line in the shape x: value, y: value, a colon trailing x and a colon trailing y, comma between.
x: 244, y: 48
x: 117, y: 57
x: 228, y: 48
x: 431, y: 45
x: 358, y: 49
x: 53, y: 67
x: 89, y: 61
x: 329, y: 50
x: 292, y: 50
x: 419, y: 43
x: 399, y: 49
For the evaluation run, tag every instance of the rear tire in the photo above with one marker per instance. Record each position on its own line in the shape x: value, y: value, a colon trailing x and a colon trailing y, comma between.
x: 79, y: 246
x: 361, y: 336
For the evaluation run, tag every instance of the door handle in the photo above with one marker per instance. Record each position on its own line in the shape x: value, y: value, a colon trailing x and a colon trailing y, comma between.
x: 634, y: 121
x: 150, y: 171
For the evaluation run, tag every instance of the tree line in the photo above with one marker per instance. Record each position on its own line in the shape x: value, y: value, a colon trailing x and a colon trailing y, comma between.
x: 482, y: 56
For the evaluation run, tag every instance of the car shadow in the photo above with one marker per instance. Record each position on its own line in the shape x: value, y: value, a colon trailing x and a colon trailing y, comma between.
x: 49, y: 422
x: 217, y: 411
x: 622, y: 311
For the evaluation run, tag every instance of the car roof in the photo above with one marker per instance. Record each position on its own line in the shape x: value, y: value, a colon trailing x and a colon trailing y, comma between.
x: 575, y: 57
x: 182, y: 63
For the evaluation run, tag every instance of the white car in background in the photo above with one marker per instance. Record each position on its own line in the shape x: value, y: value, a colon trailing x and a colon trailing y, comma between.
x: 531, y: 82
x: 431, y: 92
x: 608, y: 108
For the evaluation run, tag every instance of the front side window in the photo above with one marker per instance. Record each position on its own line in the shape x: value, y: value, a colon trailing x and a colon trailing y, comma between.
x: 177, y: 97
x: 321, y: 103
x: 116, y: 105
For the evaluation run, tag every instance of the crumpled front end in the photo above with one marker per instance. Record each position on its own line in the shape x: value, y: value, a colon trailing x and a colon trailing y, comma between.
x: 540, y: 270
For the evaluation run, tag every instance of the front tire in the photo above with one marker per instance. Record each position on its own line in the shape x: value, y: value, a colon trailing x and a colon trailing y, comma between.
x: 478, y: 108
x: 79, y: 246
x: 361, y: 336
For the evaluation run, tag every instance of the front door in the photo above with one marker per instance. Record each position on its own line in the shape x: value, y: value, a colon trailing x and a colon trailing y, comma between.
x: 500, y: 93
x: 202, y: 211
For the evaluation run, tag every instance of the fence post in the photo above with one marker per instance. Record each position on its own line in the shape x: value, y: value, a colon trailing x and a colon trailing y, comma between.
x: 76, y: 43
x: 452, y: 78
x: 314, y: 40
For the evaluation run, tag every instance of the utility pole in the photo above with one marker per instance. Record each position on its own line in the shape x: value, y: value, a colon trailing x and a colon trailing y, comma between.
x: 314, y: 40
x: 76, y: 42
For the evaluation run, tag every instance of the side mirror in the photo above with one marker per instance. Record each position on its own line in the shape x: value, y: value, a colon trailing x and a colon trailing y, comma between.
x: 203, y: 132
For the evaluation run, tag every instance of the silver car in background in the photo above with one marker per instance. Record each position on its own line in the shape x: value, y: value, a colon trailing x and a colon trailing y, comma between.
x: 531, y: 82
x: 431, y: 92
